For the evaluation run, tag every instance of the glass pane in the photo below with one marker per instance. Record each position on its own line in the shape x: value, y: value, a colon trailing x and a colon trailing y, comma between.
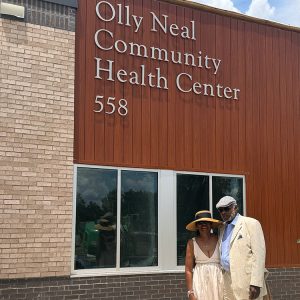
x: 192, y: 196
x: 227, y: 186
x: 138, y: 219
x: 96, y: 211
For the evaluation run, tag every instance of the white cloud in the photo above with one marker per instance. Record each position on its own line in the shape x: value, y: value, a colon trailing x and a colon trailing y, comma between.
x: 140, y: 182
x: 288, y: 12
x: 282, y: 11
x: 261, y: 9
x: 223, y: 4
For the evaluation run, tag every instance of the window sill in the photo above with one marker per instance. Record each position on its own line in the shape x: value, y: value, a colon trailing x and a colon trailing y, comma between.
x: 102, y: 272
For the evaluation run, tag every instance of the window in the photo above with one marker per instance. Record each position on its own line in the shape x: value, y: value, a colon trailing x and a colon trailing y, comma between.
x: 133, y: 220
x: 138, y: 219
x: 192, y: 196
x: 227, y: 186
x: 96, y: 218
x: 97, y: 229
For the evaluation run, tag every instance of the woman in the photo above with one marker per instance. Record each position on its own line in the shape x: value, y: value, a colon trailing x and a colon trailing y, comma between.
x: 202, y: 263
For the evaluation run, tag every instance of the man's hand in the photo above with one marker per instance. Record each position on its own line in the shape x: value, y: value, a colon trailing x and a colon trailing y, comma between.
x: 254, y: 292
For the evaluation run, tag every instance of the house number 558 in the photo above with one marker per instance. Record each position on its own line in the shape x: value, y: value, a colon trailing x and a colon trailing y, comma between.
x: 110, y: 107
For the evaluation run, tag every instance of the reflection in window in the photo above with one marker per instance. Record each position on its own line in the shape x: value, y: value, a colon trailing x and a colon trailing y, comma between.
x: 227, y: 186
x: 96, y: 228
x: 192, y: 196
x: 96, y: 211
x: 139, y: 219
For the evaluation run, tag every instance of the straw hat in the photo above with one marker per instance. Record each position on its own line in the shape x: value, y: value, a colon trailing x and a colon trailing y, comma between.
x: 203, y: 215
x: 105, y: 223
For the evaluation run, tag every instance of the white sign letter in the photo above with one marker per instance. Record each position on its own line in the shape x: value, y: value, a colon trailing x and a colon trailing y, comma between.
x: 97, y: 39
x: 178, y: 82
x: 113, y: 12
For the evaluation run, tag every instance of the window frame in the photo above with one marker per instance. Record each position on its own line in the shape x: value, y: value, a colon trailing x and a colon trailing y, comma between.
x: 167, y: 225
x: 117, y: 270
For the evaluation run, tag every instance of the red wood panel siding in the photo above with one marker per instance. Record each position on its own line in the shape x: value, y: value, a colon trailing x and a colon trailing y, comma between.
x: 257, y: 135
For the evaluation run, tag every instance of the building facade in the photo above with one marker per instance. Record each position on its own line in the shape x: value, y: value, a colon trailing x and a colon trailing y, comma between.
x: 119, y: 120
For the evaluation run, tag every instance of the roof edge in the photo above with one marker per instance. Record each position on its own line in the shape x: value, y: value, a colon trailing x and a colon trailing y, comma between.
x: 223, y: 12
x: 69, y: 3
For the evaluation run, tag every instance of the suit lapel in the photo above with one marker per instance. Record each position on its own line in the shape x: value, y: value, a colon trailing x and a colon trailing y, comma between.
x: 237, y: 228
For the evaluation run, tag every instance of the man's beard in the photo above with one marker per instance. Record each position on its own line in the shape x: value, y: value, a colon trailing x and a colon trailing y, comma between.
x: 232, y: 216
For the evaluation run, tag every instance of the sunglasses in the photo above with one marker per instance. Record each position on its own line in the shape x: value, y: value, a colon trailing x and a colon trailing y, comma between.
x: 203, y: 223
x: 226, y: 209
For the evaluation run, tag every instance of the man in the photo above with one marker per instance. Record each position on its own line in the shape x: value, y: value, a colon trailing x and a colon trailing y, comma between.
x: 243, y: 253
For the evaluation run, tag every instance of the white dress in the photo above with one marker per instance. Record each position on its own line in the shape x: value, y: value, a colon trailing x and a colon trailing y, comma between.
x: 207, y: 275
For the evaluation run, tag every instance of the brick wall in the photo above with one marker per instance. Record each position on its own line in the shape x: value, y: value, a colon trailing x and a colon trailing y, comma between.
x: 284, y: 285
x: 36, y: 149
x: 165, y: 286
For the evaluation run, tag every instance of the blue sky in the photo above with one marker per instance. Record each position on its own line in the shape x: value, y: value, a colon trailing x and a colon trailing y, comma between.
x: 282, y: 11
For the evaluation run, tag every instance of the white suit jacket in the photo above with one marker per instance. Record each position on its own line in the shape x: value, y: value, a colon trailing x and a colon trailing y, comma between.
x: 247, y: 256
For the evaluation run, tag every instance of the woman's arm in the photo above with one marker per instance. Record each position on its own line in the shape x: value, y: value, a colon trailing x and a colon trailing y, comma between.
x: 189, y: 265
